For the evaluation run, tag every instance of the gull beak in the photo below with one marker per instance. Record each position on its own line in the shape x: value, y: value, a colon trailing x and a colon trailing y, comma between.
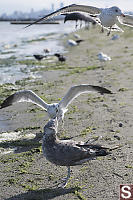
x: 122, y: 15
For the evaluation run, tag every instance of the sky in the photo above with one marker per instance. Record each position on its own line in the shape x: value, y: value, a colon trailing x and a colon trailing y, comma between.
x: 9, y: 6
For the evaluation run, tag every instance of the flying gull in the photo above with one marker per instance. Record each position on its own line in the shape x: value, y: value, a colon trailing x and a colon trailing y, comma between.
x: 55, y: 109
x: 68, y: 152
x: 106, y: 17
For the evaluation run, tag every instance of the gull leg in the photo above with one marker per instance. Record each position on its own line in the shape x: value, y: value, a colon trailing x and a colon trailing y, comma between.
x: 65, y: 180
x: 76, y: 25
x: 109, y: 31
x: 102, y: 30
x: 81, y: 24
x: 63, y: 125
x: 90, y: 141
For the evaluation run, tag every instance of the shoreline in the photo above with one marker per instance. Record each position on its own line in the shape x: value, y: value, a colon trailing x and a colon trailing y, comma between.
x: 16, y: 56
x: 25, y: 174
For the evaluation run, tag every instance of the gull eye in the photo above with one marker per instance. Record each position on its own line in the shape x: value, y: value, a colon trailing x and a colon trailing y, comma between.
x: 116, y: 10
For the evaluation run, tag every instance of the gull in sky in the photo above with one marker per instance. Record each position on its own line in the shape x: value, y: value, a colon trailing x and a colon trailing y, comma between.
x: 69, y: 152
x: 106, y: 17
x: 55, y: 109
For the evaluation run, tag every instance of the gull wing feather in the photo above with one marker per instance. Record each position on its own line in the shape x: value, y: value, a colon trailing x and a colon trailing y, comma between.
x: 127, y: 20
x: 68, y: 9
x: 75, y: 153
x: 75, y: 91
x: 116, y: 28
x: 24, y: 96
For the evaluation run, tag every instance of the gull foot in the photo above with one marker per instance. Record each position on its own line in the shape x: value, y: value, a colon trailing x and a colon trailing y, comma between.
x: 108, y: 33
x: 63, y: 183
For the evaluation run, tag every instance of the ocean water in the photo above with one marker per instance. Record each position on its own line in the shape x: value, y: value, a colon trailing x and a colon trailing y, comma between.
x: 19, y: 43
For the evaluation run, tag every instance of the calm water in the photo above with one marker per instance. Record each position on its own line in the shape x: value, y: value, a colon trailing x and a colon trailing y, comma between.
x: 17, y: 42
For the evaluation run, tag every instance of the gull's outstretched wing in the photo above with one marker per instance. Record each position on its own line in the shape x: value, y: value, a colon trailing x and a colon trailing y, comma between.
x: 79, y: 89
x: 68, y: 9
x: 24, y: 96
x: 127, y: 20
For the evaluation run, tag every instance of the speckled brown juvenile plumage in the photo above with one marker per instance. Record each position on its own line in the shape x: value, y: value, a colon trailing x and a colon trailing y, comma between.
x: 68, y: 152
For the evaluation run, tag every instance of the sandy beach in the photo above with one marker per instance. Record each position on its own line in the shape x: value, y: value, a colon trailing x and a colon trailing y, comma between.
x: 24, y: 173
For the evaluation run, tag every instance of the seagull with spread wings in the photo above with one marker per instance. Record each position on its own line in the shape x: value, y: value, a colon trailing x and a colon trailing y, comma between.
x: 106, y: 17
x: 55, y: 109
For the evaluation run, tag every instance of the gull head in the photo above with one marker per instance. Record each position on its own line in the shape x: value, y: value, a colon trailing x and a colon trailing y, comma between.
x: 53, y: 110
x: 116, y: 11
x: 51, y: 127
x: 101, y: 55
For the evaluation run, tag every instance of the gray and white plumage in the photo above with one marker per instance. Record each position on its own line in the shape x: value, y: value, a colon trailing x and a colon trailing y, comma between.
x: 73, y: 43
x: 77, y: 36
x: 68, y: 152
x: 106, y: 17
x: 103, y: 57
x: 55, y: 109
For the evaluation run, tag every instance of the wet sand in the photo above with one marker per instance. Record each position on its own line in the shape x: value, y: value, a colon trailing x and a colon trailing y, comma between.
x: 26, y: 174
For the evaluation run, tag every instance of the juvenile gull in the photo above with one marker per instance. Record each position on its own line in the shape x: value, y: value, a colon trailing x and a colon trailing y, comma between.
x: 106, y: 17
x: 68, y: 152
x: 55, y: 109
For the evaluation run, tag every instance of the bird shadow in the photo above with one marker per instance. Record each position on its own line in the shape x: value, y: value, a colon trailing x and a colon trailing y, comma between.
x: 23, y: 145
x: 43, y: 194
